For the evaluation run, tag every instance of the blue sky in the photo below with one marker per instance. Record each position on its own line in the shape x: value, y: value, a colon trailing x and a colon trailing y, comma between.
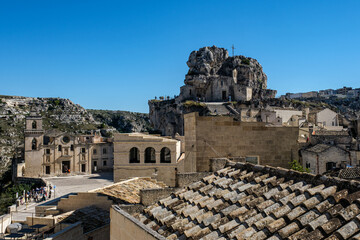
x: 118, y: 54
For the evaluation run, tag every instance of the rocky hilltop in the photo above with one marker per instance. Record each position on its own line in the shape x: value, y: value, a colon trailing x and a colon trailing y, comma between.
x: 213, y: 77
x: 211, y: 63
x: 61, y: 114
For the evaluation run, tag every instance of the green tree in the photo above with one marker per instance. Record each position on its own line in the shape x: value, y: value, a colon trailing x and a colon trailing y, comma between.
x: 295, y: 165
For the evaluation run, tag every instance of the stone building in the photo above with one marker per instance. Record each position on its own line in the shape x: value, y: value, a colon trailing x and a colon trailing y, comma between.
x: 50, y: 153
x: 322, y: 158
x: 281, y: 116
x: 325, y: 118
x: 221, y: 136
x: 144, y: 155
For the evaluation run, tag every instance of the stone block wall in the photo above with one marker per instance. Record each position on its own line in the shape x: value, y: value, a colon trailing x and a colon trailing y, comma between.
x: 209, y: 137
x: 185, y: 179
x: 150, y: 196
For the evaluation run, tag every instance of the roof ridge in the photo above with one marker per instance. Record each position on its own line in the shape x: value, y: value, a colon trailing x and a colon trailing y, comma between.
x: 351, y: 185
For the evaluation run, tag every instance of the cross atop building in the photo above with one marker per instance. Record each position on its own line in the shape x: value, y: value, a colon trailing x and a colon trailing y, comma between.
x: 233, y: 50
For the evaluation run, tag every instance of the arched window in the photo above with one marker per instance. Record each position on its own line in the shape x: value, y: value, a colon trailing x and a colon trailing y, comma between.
x: 34, y: 144
x: 150, y: 155
x: 165, y: 155
x: 34, y: 125
x: 134, y: 155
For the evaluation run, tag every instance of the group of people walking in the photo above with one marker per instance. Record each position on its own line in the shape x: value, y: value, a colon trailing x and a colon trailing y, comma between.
x: 35, y: 195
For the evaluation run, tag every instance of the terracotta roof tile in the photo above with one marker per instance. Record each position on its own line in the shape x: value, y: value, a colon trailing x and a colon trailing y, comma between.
x: 245, y: 202
x: 128, y: 191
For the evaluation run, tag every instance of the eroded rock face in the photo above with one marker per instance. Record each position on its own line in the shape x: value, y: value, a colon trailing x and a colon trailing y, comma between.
x: 249, y: 71
x: 214, y: 76
x: 206, y: 61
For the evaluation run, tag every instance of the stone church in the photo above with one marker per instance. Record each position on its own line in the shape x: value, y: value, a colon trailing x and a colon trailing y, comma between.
x: 53, y: 153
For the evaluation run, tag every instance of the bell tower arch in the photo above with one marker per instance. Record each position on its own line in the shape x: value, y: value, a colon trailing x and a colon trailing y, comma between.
x: 34, y: 136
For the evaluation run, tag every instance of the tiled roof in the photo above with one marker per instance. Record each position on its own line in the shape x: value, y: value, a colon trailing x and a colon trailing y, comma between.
x: 128, y: 190
x: 318, y: 148
x: 90, y: 217
x: 245, y: 201
x: 350, y: 173
x: 331, y: 133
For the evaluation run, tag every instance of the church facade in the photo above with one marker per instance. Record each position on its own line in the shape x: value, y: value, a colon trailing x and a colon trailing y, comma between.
x: 49, y: 153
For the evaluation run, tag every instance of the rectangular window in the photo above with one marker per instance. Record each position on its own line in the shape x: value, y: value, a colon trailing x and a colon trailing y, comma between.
x: 94, y: 152
x: 307, y: 165
x: 47, y: 169
x: 104, y: 150
x: 60, y: 148
x: 252, y: 159
x: 330, y: 166
x: 83, y: 168
x: 47, y: 151
x: 83, y: 150
x: 46, y: 140
x: 72, y: 147
x: 104, y: 163
x: 224, y: 95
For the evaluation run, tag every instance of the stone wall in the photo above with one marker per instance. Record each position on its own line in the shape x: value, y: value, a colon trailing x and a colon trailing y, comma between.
x: 164, y: 172
x: 132, y: 208
x: 150, y: 196
x: 84, y: 199
x: 217, y: 164
x: 209, y: 137
x: 48, y: 221
x: 124, y: 226
x: 5, y: 220
x: 185, y: 179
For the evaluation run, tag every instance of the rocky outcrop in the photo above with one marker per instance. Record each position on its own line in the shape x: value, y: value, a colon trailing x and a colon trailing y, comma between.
x: 211, y: 67
x: 207, y: 61
x: 213, y: 76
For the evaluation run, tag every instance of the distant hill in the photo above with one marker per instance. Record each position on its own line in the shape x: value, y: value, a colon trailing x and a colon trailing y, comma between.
x: 123, y: 121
